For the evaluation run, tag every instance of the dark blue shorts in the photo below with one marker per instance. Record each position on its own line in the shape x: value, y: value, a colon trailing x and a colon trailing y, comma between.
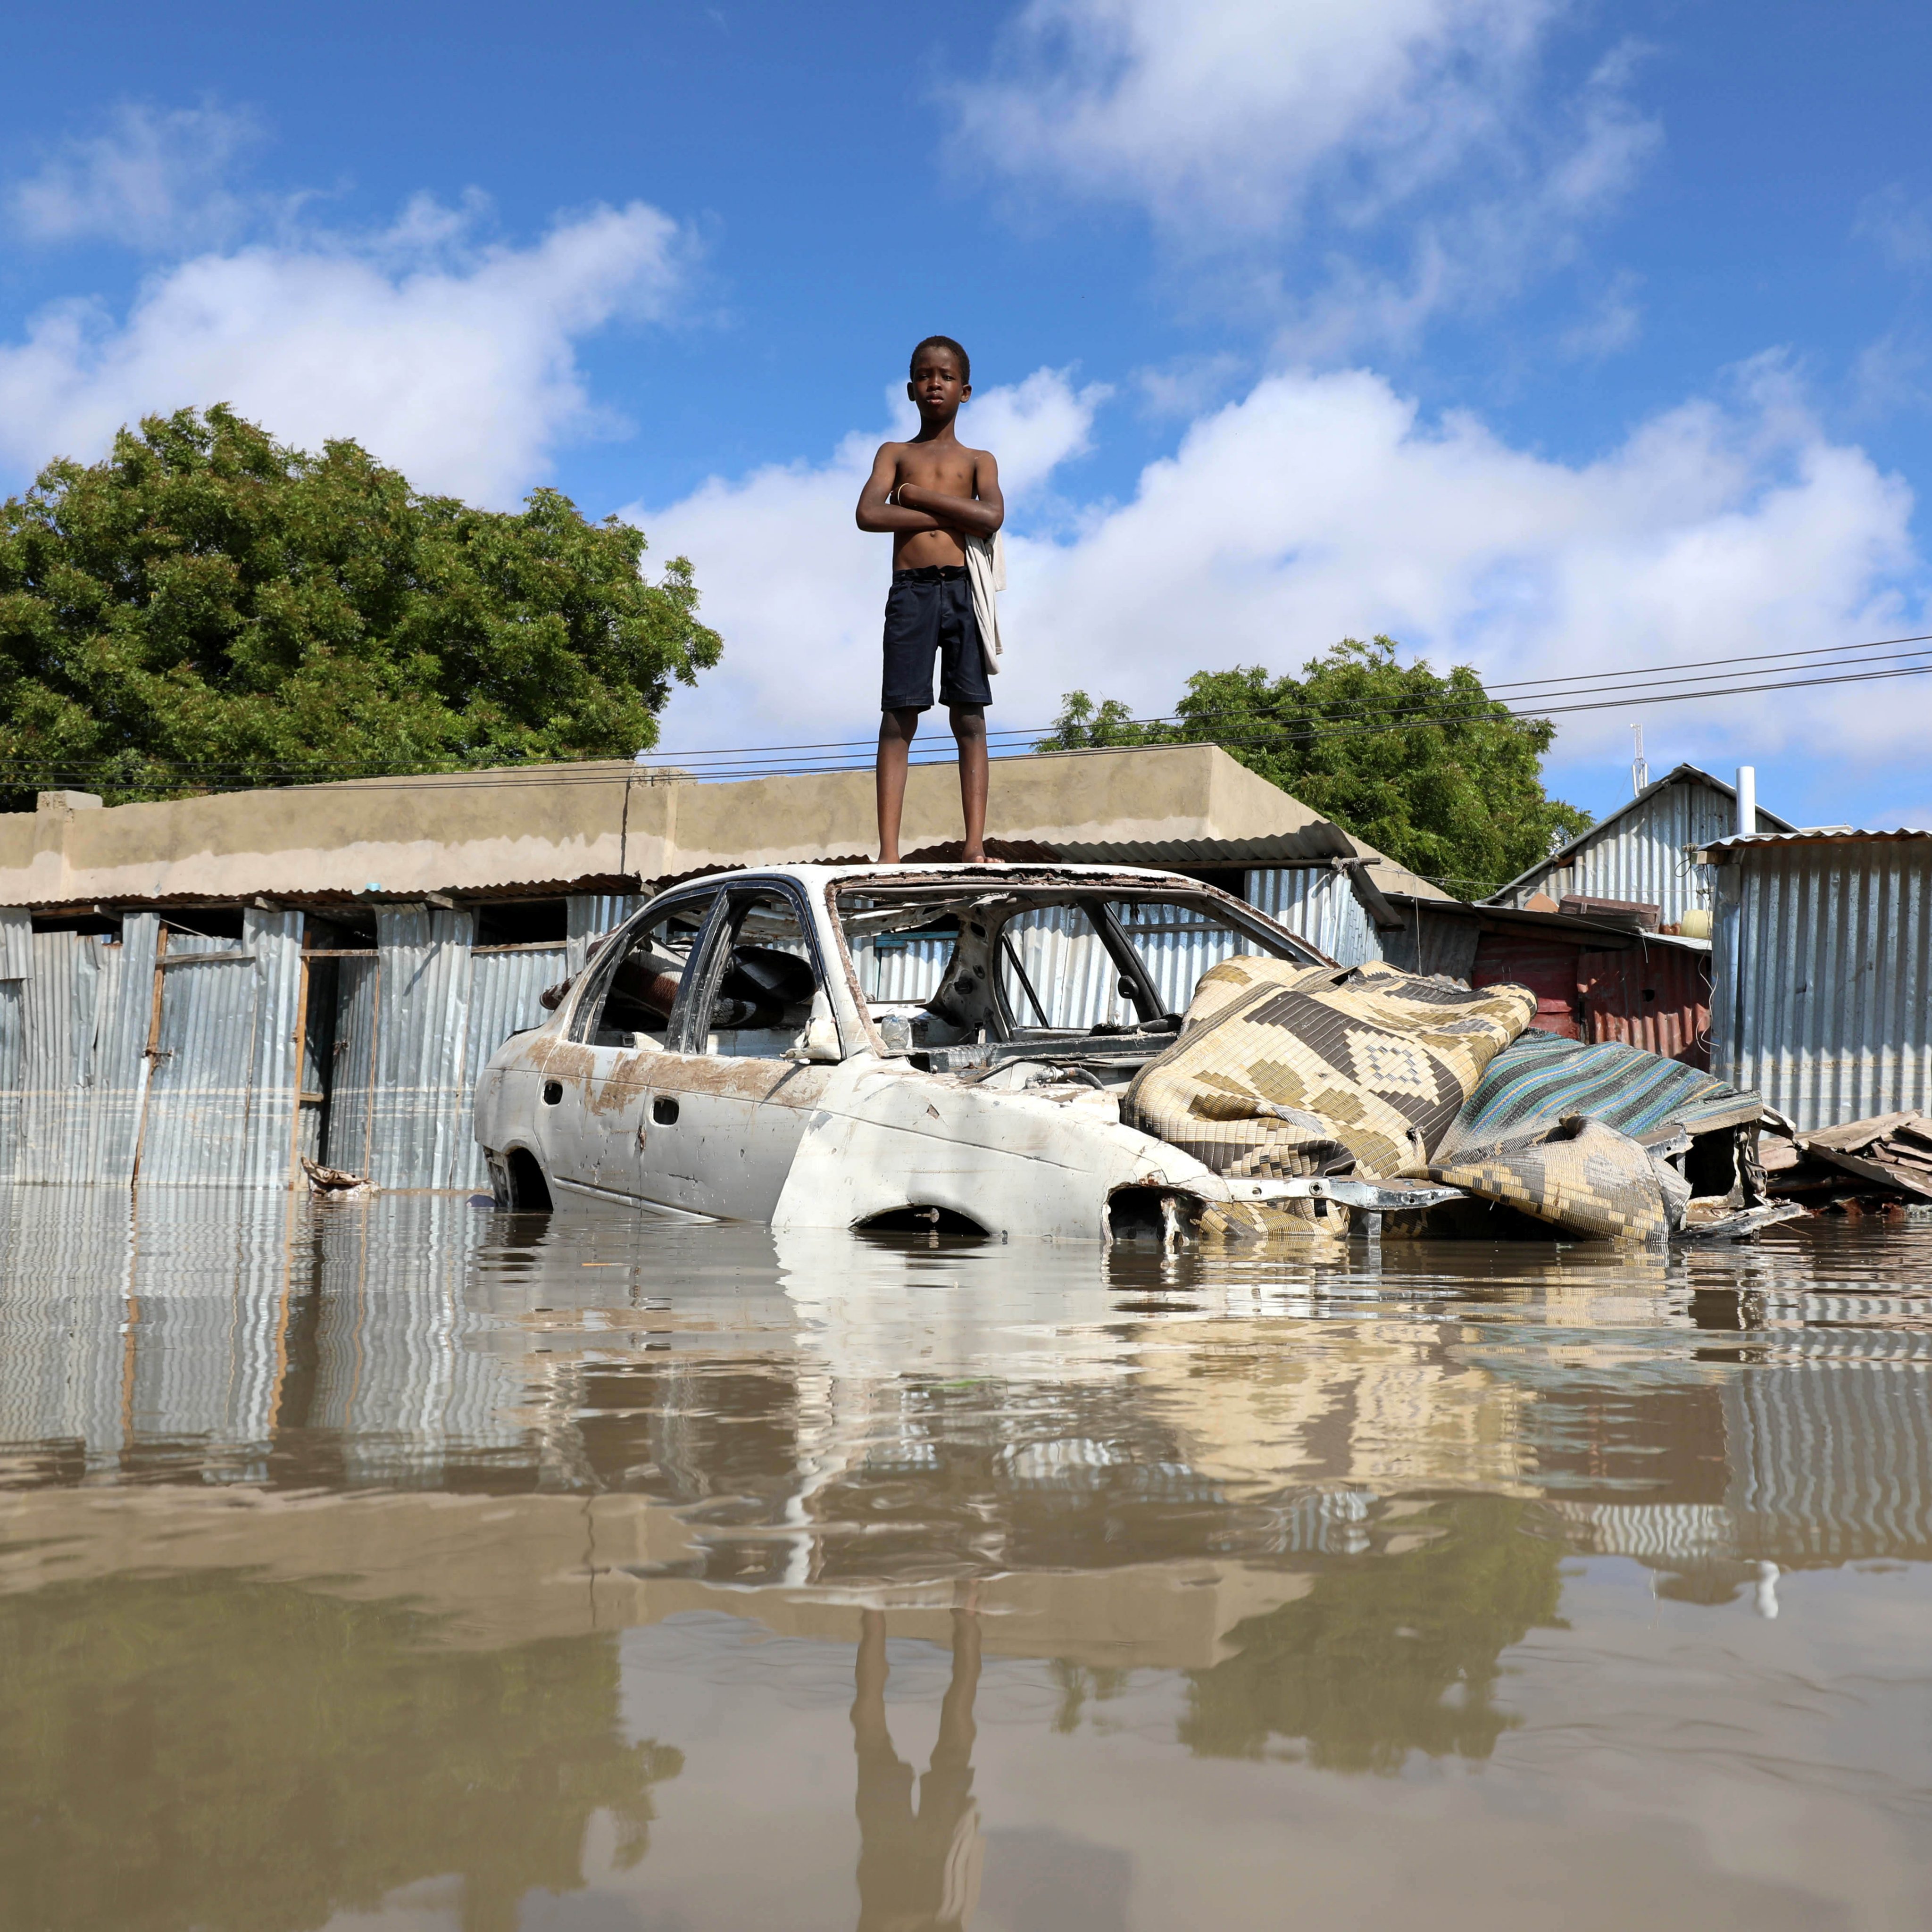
x: 929, y: 612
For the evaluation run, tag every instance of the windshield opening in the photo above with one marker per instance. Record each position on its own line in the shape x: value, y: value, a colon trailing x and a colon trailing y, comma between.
x: 943, y: 965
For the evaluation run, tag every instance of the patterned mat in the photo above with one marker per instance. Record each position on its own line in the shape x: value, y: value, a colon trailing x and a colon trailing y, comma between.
x: 1541, y: 1078
x: 1284, y: 1069
x: 1585, y: 1176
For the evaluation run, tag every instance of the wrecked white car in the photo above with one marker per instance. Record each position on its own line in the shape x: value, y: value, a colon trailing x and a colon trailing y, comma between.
x: 1082, y: 1053
x: 911, y: 1047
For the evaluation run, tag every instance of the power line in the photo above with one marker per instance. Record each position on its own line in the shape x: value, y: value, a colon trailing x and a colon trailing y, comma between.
x: 1555, y: 685
x: 758, y: 760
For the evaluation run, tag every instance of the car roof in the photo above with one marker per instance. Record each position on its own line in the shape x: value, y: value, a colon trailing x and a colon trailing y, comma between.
x: 999, y: 870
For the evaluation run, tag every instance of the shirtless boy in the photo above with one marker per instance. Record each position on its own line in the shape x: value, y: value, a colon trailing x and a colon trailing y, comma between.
x: 930, y: 492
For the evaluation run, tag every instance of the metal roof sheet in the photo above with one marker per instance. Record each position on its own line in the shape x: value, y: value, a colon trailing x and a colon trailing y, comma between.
x: 1678, y: 774
x: 1722, y: 850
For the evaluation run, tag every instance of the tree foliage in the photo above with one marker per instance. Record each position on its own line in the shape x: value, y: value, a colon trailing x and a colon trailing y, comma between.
x: 1385, y: 1657
x: 206, y: 608
x: 215, y: 1751
x: 1458, y: 798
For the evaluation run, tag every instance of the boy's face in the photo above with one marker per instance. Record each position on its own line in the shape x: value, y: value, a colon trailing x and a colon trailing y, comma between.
x: 936, y: 385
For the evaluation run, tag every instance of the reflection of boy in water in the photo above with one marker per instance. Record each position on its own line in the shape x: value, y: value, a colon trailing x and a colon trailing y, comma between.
x: 916, y: 1873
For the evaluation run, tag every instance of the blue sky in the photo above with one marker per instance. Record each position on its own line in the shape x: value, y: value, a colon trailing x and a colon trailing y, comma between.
x: 1548, y: 337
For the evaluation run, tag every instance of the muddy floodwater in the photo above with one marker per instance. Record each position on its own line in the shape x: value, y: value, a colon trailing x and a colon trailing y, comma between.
x: 403, y: 1564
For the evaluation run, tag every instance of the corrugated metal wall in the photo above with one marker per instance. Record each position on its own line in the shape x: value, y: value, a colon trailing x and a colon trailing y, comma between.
x: 275, y: 940
x: 221, y: 1101
x: 1318, y: 903
x: 1641, y: 856
x: 16, y: 943
x: 73, y: 1042
x: 1071, y: 972
x: 351, y: 1116
x: 1656, y: 997
x: 1177, y: 946
x: 413, y: 1023
x: 1823, y: 962
x: 420, y: 1102
x: 900, y: 967
x: 505, y: 988
x: 589, y: 915
x: 137, y: 1329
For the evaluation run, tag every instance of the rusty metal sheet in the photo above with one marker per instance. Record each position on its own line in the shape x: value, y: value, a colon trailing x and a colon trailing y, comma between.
x: 1547, y: 967
x: 1657, y: 997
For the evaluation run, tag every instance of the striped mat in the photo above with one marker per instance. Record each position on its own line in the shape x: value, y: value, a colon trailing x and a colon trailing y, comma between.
x: 1540, y: 1078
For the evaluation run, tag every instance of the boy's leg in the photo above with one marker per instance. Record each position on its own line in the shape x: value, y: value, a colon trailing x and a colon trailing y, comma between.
x: 969, y: 731
x: 896, y: 730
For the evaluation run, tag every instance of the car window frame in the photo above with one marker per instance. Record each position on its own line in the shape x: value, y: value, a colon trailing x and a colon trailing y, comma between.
x: 1098, y: 905
x: 594, y: 983
x: 1145, y: 998
x: 689, y: 1025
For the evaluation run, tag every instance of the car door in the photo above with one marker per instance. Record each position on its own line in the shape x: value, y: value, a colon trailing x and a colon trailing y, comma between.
x: 749, y: 1051
x: 594, y: 1092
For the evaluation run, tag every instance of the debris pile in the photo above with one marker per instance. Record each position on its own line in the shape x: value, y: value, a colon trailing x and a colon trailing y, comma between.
x: 335, y: 1183
x: 1370, y: 1077
x: 1881, y: 1162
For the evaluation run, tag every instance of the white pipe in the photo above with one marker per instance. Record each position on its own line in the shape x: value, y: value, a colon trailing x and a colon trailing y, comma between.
x: 1747, y: 800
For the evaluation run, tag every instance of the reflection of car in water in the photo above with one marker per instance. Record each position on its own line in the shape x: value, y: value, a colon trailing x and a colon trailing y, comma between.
x: 849, y: 1046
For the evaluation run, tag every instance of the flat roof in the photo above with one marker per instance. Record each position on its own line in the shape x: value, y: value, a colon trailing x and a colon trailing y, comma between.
x: 613, y: 826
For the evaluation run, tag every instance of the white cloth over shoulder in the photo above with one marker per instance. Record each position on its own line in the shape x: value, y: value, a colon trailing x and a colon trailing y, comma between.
x: 986, y: 571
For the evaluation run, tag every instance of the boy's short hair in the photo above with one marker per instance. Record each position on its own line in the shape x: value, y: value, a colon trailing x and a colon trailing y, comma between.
x: 942, y: 342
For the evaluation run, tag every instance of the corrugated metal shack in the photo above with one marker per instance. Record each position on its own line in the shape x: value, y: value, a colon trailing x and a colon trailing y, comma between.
x: 1639, y: 853
x: 1602, y: 978
x: 1824, y: 951
x: 200, y: 993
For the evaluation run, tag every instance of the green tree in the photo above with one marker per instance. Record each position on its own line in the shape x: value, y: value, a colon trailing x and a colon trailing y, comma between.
x: 1388, y: 1654
x: 206, y: 608
x: 1458, y: 798
x: 209, y: 1752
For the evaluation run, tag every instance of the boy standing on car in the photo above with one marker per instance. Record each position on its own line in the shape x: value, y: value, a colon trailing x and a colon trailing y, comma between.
x: 941, y: 502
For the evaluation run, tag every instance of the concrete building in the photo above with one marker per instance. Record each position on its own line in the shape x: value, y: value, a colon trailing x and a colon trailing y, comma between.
x: 1639, y: 853
x: 199, y: 992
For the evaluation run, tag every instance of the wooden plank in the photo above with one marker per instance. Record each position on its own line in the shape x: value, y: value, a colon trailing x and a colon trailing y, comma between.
x: 1897, y: 1178
x: 1856, y: 1134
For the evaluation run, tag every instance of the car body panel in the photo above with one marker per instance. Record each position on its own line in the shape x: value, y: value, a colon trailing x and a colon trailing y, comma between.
x: 841, y: 1129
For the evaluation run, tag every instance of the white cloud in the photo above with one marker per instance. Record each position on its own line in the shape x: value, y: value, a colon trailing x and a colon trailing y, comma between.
x: 1226, y: 112
x: 1415, y: 148
x: 452, y: 360
x: 1614, y: 322
x: 1898, y: 226
x: 153, y: 181
x: 1321, y: 506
